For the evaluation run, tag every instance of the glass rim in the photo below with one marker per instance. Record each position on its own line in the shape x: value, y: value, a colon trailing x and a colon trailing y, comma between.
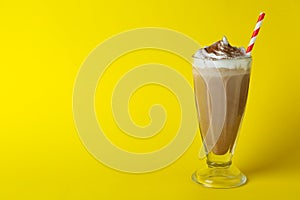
x: 248, y: 58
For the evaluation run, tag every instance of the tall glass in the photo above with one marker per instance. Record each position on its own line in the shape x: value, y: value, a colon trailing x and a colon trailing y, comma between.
x: 221, y: 89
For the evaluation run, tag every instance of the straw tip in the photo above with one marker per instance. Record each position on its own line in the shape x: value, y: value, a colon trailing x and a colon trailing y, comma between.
x: 262, y: 13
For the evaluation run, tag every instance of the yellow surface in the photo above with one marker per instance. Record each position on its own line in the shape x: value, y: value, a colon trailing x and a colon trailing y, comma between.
x: 42, y: 48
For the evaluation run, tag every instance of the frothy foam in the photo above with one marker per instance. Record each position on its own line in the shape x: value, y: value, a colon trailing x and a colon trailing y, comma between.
x: 242, y: 63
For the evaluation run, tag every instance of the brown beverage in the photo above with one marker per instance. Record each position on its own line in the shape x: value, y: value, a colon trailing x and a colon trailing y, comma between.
x: 221, y: 79
x: 236, y: 89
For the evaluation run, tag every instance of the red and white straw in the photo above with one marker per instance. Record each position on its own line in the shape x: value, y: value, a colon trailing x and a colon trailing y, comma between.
x: 255, y: 33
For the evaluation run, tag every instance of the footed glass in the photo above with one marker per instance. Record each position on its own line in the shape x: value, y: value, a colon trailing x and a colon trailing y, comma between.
x: 221, y: 89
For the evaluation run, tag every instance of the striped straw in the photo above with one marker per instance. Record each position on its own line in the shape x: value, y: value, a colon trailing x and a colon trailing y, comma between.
x: 255, y: 33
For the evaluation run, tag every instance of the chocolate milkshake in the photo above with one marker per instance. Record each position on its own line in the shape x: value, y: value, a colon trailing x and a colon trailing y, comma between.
x: 221, y: 79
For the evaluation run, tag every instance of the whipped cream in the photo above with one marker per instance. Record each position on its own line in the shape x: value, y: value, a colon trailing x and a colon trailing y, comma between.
x: 222, y: 55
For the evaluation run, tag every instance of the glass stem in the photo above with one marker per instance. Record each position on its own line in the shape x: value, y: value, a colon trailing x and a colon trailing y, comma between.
x: 214, y: 160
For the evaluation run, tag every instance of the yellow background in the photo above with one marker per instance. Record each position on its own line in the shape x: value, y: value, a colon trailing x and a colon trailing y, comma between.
x: 42, y: 48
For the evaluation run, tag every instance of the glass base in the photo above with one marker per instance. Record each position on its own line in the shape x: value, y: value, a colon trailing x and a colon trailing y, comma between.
x: 220, y: 177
